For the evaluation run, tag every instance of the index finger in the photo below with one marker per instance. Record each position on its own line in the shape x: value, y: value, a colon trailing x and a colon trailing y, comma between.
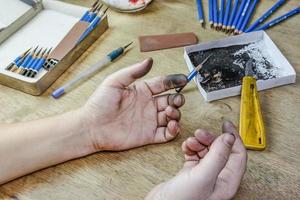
x: 161, y: 84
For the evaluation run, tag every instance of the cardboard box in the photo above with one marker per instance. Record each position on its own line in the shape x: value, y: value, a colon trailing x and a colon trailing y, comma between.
x: 286, y: 73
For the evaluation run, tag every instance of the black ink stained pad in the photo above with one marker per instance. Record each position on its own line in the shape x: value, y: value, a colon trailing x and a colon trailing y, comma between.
x: 222, y: 74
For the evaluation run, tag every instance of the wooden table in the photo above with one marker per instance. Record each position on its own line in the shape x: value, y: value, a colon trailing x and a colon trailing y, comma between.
x: 271, y: 174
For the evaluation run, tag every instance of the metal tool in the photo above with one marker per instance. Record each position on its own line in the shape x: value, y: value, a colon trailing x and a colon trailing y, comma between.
x: 252, y: 128
x: 194, y: 72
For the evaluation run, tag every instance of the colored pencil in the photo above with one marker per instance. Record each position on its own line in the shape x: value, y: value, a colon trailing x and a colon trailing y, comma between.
x: 194, y: 72
x: 265, y: 15
x: 210, y: 8
x: 238, y: 15
x: 233, y: 14
x: 221, y: 14
x: 215, y: 11
x: 248, y: 16
x: 200, y: 13
x: 279, y: 19
x: 226, y: 16
x: 242, y: 17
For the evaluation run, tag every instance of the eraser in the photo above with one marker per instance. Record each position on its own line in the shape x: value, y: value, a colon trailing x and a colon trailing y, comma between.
x: 158, y: 42
x: 57, y: 93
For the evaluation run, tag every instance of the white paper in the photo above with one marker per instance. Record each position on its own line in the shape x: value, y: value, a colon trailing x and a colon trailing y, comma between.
x: 11, y: 10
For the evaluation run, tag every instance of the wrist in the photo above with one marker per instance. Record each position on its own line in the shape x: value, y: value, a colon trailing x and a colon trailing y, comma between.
x: 78, y: 137
x: 93, y: 128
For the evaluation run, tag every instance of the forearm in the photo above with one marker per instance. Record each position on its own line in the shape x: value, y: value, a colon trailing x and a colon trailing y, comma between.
x: 27, y: 147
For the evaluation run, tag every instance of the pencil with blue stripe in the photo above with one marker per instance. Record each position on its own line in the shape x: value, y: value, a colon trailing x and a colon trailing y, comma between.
x: 215, y: 9
x: 194, y: 72
x: 94, y: 14
x: 211, y: 18
x: 221, y: 14
x: 18, y: 60
x: 233, y: 14
x: 93, y: 25
x: 248, y: 16
x: 30, y: 63
x: 86, y: 15
x: 238, y: 15
x: 200, y: 13
x: 242, y: 17
x: 226, y: 16
x: 279, y: 19
x: 265, y: 15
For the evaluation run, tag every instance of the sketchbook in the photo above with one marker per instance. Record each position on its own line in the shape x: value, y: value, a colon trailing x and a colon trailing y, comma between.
x: 221, y: 76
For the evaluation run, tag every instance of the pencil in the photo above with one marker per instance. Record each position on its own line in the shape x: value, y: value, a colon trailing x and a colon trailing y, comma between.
x: 233, y: 14
x: 18, y: 60
x: 248, y: 16
x: 279, y: 19
x: 36, y: 61
x: 31, y: 62
x: 210, y: 8
x: 25, y: 61
x: 242, y: 17
x: 40, y: 64
x: 221, y: 14
x: 194, y: 72
x: 88, y: 72
x: 92, y: 25
x: 200, y: 12
x: 215, y: 11
x: 226, y: 16
x: 238, y: 15
x: 265, y: 15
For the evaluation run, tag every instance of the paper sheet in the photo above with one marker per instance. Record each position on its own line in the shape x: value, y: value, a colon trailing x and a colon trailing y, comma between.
x: 11, y: 10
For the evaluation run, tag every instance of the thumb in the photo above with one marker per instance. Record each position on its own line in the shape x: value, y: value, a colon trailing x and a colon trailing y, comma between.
x: 228, y: 127
x: 217, y: 157
x: 128, y: 75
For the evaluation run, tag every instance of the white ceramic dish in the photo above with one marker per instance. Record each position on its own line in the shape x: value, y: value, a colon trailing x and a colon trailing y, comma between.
x: 127, y: 5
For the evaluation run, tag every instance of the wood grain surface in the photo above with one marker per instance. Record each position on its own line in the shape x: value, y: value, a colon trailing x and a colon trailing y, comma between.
x: 271, y: 174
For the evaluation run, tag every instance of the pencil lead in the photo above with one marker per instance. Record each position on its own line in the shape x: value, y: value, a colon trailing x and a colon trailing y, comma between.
x: 202, y: 23
x: 105, y: 10
x: 95, y: 4
x: 43, y: 53
x: 126, y: 46
x: 99, y: 8
x: 48, y: 53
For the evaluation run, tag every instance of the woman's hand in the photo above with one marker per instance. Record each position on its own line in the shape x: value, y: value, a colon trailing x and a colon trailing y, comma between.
x: 124, y: 114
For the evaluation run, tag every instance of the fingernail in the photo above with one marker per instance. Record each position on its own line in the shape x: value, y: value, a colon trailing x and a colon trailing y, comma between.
x: 147, y: 65
x: 175, y: 80
x: 229, y: 139
x: 178, y: 99
x: 147, y: 60
x: 228, y: 124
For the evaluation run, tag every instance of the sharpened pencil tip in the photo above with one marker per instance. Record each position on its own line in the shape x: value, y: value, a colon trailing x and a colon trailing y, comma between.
x: 105, y: 10
x: 126, y: 46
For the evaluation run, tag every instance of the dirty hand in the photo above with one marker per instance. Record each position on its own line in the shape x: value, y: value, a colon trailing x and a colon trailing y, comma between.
x: 124, y: 113
x: 213, y: 169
